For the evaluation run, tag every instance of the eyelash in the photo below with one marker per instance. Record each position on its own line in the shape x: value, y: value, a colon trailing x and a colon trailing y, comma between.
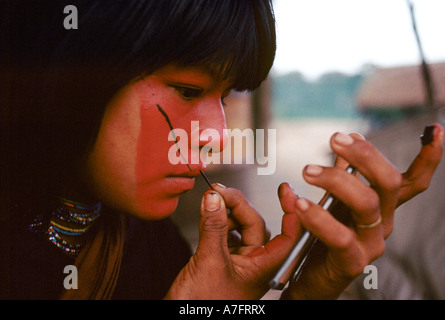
x: 188, y: 94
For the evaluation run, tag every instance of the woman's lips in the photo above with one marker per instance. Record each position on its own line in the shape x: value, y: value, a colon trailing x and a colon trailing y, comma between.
x: 188, y: 174
x: 172, y: 184
x: 182, y: 182
x: 179, y: 184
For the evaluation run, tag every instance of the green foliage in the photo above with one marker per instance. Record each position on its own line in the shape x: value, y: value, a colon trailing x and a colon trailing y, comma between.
x: 330, y: 96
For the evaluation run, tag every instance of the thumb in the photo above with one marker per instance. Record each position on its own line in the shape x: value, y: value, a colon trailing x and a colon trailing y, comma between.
x: 419, y: 174
x: 213, y: 229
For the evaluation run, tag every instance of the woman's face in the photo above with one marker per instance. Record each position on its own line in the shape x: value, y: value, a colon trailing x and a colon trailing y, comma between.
x: 129, y: 167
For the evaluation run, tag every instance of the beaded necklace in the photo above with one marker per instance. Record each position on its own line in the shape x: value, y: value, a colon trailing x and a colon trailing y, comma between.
x: 69, y: 225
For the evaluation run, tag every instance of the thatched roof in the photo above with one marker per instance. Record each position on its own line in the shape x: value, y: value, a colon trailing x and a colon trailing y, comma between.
x: 400, y: 87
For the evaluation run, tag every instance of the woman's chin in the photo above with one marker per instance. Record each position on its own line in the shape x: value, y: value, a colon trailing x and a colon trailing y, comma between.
x: 155, y: 210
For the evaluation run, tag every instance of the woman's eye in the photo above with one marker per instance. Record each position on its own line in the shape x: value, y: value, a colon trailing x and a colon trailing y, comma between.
x: 188, y: 93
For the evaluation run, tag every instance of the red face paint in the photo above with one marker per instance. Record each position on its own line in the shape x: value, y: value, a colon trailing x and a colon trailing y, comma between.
x: 159, y: 183
x: 129, y: 165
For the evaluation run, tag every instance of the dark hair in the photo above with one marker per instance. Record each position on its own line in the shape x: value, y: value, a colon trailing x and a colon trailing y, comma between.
x: 57, y: 82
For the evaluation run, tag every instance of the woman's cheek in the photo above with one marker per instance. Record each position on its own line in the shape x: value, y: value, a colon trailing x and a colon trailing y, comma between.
x: 152, y: 164
x: 156, y: 195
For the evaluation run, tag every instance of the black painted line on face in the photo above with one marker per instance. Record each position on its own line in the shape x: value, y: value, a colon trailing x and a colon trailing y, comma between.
x: 177, y: 145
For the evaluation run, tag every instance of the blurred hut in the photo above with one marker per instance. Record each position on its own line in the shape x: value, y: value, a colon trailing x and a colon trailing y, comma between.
x: 391, y: 94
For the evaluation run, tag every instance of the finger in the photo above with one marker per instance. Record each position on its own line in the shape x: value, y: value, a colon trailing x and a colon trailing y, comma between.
x: 272, y: 254
x: 340, y: 239
x: 290, y: 225
x: 419, y: 174
x: 250, y: 223
x: 234, y: 241
x: 360, y: 198
x: 324, y: 226
x: 287, y: 197
x: 367, y: 159
x: 341, y: 162
x: 213, y: 229
x: 381, y: 174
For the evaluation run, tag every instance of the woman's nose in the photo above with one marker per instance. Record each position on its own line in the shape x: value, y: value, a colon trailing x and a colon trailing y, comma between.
x: 212, y: 129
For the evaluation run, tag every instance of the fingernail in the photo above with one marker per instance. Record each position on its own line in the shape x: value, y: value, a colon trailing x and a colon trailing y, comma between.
x: 212, y: 201
x: 221, y: 185
x: 313, y: 170
x: 292, y: 189
x: 343, y: 139
x: 428, y: 135
x: 302, y: 204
